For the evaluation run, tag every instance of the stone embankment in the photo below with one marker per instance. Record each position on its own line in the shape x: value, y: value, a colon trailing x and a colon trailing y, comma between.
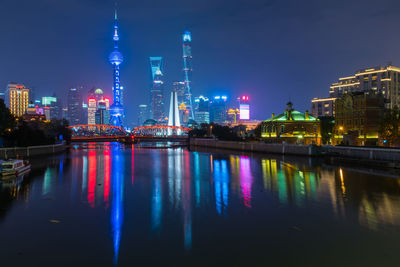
x: 380, y: 157
x: 30, y: 151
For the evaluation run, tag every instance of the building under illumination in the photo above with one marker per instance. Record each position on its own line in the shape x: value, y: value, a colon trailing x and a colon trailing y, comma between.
x: 157, y: 102
x: 293, y: 127
x: 187, y: 71
x: 358, y: 118
x: 383, y: 80
x: 323, y: 107
x: 92, y: 108
x: 52, y: 107
x: 244, y: 108
x: 143, y: 114
x: 17, y: 99
x: 75, y: 110
x: 218, y: 109
x: 202, y: 109
x: 102, y: 114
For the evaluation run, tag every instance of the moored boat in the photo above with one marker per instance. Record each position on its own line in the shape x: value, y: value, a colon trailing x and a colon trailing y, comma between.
x: 14, y: 167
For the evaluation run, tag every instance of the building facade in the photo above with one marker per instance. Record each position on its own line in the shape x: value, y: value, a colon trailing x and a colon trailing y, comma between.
x: 187, y: 71
x: 358, y: 118
x: 244, y: 107
x: 202, y: 110
x: 292, y: 127
x: 321, y: 107
x: 17, y: 99
x: 381, y: 80
x: 102, y: 114
x: 52, y: 107
x: 218, y: 109
x: 75, y: 110
x: 92, y: 108
x: 143, y: 114
x: 157, y: 94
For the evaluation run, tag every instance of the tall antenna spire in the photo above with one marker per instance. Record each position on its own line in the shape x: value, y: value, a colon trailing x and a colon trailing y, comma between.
x: 115, y: 11
x: 116, y: 58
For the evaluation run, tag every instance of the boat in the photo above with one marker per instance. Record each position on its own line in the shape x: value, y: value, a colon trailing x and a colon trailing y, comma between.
x: 14, y: 168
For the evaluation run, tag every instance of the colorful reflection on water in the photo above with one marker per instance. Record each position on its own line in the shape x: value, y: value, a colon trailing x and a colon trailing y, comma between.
x: 134, y: 202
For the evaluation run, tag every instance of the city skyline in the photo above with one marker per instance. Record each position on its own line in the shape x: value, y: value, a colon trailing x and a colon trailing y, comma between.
x: 298, y: 62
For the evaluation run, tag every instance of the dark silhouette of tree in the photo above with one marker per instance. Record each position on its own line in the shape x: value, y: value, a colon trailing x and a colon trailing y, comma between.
x: 390, y: 126
x: 327, y: 123
x: 7, y: 120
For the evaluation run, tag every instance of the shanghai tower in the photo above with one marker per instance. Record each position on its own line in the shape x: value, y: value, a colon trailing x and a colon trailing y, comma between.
x: 116, y: 58
x: 187, y: 71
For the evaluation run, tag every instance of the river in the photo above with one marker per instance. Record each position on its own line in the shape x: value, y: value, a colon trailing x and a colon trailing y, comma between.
x: 114, y: 205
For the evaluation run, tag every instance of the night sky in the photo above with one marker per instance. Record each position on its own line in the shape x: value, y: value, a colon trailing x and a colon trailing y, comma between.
x: 271, y: 50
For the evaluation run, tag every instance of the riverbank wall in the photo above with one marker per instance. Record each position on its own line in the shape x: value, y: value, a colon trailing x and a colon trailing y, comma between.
x: 31, y: 151
x: 346, y: 153
x: 284, y: 149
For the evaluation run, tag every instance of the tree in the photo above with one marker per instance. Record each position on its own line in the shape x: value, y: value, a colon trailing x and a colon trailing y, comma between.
x: 327, y: 123
x: 258, y: 130
x: 390, y: 126
x: 7, y: 120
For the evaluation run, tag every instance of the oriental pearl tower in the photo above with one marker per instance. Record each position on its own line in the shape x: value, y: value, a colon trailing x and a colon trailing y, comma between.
x: 116, y: 58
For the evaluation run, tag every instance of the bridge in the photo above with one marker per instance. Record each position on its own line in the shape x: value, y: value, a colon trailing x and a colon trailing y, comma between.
x: 109, y: 133
x: 160, y: 133
x: 97, y: 133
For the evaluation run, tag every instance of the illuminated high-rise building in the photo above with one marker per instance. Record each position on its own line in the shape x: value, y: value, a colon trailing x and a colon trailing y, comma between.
x: 157, y: 89
x: 102, y: 115
x: 202, y: 109
x: 75, y: 110
x: 244, y: 107
x: 384, y: 80
x: 187, y: 71
x: 92, y: 108
x: 218, y: 109
x: 17, y: 99
x: 116, y: 58
x: 143, y: 114
x: 52, y: 107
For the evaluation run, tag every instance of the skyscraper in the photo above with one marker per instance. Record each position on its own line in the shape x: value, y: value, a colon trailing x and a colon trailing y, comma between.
x: 202, y: 110
x: 218, y: 109
x: 143, y: 114
x: 74, y: 113
x: 92, y: 108
x: 17, y: 98
x: 102, y: 115
x: 116, y: 58
x: 52, y: 107
x: 187, y: 71
x: 157, y: 89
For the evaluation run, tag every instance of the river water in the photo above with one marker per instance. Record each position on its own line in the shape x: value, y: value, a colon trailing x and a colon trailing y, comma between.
x: 111, y: 205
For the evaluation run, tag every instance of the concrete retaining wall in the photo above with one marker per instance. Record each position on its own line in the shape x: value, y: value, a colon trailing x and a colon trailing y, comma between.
x: 30, y: 151
x: 382, y: 154
x: 362, y: 153
x: 289, y: 149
